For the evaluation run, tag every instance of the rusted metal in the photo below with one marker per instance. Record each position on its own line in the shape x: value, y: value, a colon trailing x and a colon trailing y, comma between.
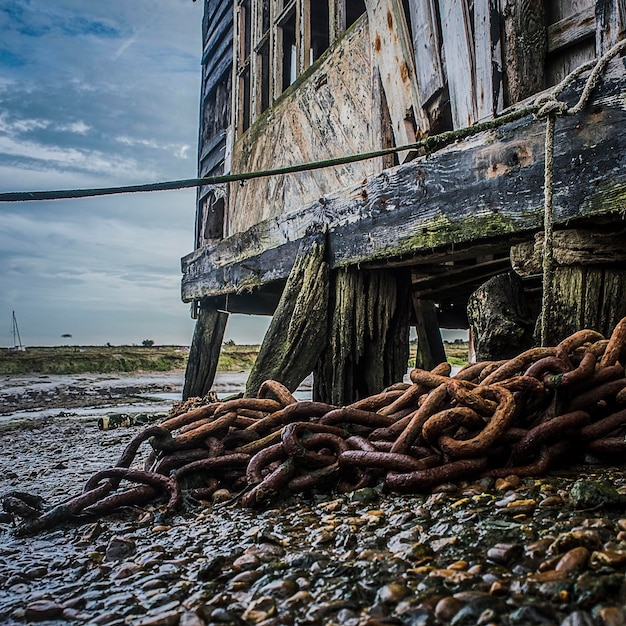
x: 513, y: 417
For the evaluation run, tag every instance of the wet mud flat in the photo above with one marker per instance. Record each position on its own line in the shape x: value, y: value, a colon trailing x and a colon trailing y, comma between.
x: 550, y: 550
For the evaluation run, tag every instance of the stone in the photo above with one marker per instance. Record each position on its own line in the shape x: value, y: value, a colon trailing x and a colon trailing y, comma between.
x: 447, y: 608
x: 43, y: 610
x: 119, y: 548
x: 573, y: 560
x: 586, y: 494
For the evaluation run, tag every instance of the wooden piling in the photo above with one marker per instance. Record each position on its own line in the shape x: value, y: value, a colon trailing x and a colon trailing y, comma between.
x: 205, y: 351
x: 368, y: 340
x: 297, y: 333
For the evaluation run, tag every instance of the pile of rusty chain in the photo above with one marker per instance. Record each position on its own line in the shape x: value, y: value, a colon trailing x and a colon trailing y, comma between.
x: 520, y: 416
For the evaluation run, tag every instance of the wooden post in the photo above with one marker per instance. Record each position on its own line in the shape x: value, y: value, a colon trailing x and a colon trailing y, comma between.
x: 430, y: 350
x: 368, y: 342
x: 297, y: 333
x: 500, y: 320
x: 205, y: 351
x: 525, y: 47
x: 589, y: 279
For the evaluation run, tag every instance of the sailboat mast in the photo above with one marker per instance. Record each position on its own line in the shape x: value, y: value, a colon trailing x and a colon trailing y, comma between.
x: 17, y: 340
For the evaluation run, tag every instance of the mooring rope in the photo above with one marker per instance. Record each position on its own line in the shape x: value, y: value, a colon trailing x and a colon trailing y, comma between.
x: 548, y: 231
x: 551, y: 108
x: 542, y: 106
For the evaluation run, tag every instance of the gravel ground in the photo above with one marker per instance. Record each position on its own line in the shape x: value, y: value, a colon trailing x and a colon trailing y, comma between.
x: 550, y: 550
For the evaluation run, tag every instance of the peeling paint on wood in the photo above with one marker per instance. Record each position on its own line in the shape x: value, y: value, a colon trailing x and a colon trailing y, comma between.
x: 324, y: 115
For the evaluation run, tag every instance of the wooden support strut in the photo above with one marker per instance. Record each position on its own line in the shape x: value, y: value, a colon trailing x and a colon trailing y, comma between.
x: 205, y: 351
x: 297, y: 333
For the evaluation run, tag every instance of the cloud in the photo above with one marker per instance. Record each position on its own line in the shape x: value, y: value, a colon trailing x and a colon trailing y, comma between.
x: 127, y: 44
x: 80, y: 128
x: 83, y: 104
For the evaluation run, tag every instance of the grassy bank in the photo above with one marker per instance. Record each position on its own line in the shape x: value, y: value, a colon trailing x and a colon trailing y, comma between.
x: 83, y: 359
x: 110, y: 359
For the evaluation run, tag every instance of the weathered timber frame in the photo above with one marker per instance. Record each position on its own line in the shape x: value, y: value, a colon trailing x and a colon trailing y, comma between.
x: 483, y: 193
x: 307, y: 86
x: 275, y: 43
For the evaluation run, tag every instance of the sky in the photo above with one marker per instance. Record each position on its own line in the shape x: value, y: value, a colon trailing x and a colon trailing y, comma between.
x: 99, y: 94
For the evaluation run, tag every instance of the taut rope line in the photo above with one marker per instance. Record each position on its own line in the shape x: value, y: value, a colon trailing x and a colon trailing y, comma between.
x: 542, y: 106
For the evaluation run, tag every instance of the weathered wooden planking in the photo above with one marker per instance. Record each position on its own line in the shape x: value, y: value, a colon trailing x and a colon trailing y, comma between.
x: 392, y: 54
x: 489, y: 93
x: 480, y: 190
x: 458, y: 48
x: 524, y: 43
x: 611, y: 23
x: 571, y: 29
x: 326, y: 113
x: 426, y: 47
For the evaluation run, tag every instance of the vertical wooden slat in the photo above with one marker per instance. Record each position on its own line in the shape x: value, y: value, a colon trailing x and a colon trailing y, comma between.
x: 303, y: 39
x: 337, y: 18
x: 489, y: 94
x: 525, y: 46
x: 426, y: 48
x: 610, y: 23
x: 459, y: 60
x: 392, y: 53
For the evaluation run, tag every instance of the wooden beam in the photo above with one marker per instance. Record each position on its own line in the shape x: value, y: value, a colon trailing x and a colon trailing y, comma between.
x: 480, y: 191
x: 571, y: 29
x: 461, y: 280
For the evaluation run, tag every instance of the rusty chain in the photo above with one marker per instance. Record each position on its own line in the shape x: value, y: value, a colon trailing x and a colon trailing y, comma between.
x: 545, y: 406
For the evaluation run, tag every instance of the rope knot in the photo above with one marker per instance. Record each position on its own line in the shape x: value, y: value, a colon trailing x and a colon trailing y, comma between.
x: 549, y: 105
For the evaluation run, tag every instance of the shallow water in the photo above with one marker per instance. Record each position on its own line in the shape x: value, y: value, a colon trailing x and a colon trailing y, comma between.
x: 94, y: 395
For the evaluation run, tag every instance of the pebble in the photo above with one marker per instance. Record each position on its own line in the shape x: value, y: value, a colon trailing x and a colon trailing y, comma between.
x: 119, y: 548
x: 43, y: 610
x: 611, y: 616
x: 573, y: 560
x: 505, y: 551
x: 447, y: 608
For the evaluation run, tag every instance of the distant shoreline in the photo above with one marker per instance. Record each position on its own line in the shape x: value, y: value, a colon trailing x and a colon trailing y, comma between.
x: 120, y: 359
x: 114, y: 359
